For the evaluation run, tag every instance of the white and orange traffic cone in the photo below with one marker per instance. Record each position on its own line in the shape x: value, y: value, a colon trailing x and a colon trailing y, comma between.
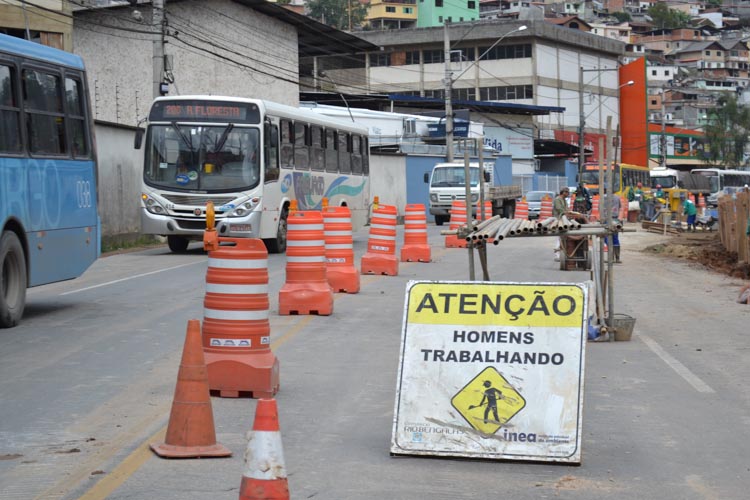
x: 265, y: 473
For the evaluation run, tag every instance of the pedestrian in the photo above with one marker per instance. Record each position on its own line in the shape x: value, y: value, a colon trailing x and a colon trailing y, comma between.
x: 616, y: 206
x: 691, y: 212
x: 560, y: 208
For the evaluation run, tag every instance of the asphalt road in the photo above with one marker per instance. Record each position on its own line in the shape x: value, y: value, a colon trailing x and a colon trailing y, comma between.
x: 86, y: 382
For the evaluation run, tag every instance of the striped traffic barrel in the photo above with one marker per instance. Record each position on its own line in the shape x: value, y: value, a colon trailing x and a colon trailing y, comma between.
x: 458, y: 219
x: 236, y: 330
x: 522, y: 209
x: 487, y: 213
x: 546, y: 209
x: 415, y: 247
x: 339, y: 250
x: 381, y: 245
x: 306, y: 290
x: 595, y: 207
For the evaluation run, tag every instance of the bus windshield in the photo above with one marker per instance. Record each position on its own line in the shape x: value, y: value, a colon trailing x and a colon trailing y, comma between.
x: 454, y: 177
x: 590, y: 178
x: 204, y: 158
x: 665, y: 181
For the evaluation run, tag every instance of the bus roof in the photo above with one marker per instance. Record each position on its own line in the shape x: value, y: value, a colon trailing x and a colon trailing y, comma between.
x: 718, y: 170
x: 20, y: 47
x: 275, y: 108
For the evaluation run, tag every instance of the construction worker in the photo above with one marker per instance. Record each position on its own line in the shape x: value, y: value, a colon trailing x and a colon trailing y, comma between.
x: 691, y: 212
x: 616, y: 206
x: 560, y: 208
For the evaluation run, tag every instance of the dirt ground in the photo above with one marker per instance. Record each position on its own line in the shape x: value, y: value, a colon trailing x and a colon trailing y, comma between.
x: 703, y: 248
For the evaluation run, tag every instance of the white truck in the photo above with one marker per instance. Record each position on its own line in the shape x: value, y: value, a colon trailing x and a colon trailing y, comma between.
x: 447, y: 183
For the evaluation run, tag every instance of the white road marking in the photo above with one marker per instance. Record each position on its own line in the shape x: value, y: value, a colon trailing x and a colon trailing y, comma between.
x: 132, y: 277
x: 681, y: 369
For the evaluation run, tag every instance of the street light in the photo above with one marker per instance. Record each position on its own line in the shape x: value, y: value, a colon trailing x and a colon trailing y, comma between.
x: 448, y: 82
x: 582, y: 117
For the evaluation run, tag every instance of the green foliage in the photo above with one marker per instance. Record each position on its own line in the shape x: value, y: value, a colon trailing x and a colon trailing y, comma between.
x: 336, y: 12
x: 622, y: 17
x: 727, y: 132
x: 664, y: 17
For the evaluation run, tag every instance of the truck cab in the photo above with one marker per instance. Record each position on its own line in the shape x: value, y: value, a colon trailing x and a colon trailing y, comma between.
x: 447, y: 183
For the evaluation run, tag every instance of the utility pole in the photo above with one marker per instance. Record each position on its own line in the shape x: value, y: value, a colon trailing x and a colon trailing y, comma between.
x: 158, y: 46
x: 448, y: 82
x: 581, y: 125
x: 663, y: 138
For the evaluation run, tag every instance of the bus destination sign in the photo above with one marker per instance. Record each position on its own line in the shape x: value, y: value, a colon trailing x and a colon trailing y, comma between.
x: 199, y: 110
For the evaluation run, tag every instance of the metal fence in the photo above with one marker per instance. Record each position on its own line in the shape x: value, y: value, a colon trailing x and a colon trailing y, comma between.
x: 540, y: 182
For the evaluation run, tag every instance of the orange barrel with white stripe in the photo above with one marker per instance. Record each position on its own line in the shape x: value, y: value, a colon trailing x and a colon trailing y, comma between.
x: 487, y: 211
x: 339, y: 250
x: 415, y: 248
x: 236, y: 331
x: 306, y: 290
x: 522, y: 209
x: 623, y: 208
x: 458, y: 219
x: 595, y: 207
x: 701, y: 204
x: 381, y: 246
x: 546, y: 210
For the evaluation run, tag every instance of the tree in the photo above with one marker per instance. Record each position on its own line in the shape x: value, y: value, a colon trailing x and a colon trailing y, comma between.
x: 727, y: 132
x: 664, y: 17
x: 336, y: 12
x: 622, y: 17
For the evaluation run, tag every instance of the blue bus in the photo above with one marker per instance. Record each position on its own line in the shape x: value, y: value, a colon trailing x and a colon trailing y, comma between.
x: 49, y: 226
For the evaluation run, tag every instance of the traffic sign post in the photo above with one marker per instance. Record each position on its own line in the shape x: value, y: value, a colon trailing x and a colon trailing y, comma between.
x: 492, y: 370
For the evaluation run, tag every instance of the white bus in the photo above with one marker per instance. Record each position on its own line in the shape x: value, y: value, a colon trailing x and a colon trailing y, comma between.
x: 207, y: 148
x: 723, y: 181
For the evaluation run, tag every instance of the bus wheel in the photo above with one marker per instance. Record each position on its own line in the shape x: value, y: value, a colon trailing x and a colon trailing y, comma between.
x: 12, y: 280
x: 177, y: 244
x: 278, y: 244
x: 440, y: 220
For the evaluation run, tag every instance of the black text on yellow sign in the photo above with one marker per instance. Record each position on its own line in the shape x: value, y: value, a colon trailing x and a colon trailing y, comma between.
x: 509, y: 304
x: 488, y: 402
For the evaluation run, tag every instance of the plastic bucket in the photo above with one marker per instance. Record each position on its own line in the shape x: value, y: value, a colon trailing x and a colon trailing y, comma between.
x: 624, y: 326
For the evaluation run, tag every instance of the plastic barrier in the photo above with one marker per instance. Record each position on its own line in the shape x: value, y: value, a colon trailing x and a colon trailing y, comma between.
x: 415, y: 247
x: 191, y: 432
x: 623, y: 208
x: 458, y: 219
x: 381, y: 246
x: 522, y: 209
x: 306, y: 290
x: 236, y: 330
x: 595, y: 207
x: 264, y: 477
x: 701, y: 204
x: 339, y: 250
x: 546, y: 209
x: 487, y: 211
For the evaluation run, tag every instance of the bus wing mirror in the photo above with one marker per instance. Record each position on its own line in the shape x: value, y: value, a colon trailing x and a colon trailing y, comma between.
x: 427, y: 177
x: 138, y: 139
x: 486, y: 177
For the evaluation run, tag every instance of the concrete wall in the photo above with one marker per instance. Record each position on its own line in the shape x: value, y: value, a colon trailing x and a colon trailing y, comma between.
x: 120, y: 171
x: 387, y: 180
x: 221, y: 49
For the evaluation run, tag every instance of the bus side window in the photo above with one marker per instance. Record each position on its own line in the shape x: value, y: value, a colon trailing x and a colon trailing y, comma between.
x: 45, y: 121
x: 356, y: 154
x: 301, y: 146
x: 365, y: 156
x: 10, y: 111
x: 76, y: 117
x: 332, y: 156
x: 345, y: 160
x: 271, y: 151
x: 287, y: 144
x: 318, y: 154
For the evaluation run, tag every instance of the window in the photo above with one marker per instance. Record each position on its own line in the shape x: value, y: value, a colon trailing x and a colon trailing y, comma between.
x: 45, y: 121
x: 77, y: 117
x: 345, y: 160
x: 390, y: 9
x: 653, y: 72
x: 412, y: 57
x: 408, y: 10
x: 301, y: 147
x: 365, y: 156
x: 666, y: 72
x: 287, y: 144
x: 317, y: 162
x: 506, y: 52
x: 507, y: 93
x: 332, y: 155
x: 356, y: 154
x: 438, y: 3
x: 433, y: 56
x: 471, y: 4
x: 440, y: 19
x: 718, y: 52
x: 653, y: 102
x: 467, y: 94
x: 708, y: 52
x: 271, y: 152
x: 380, y: 59
x: 10, y: 112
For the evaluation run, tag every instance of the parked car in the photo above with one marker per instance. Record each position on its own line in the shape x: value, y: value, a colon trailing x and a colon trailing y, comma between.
x: 534, y: 199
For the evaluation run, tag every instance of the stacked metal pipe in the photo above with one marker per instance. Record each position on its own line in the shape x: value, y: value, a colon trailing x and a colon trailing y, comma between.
x: 498, y: 228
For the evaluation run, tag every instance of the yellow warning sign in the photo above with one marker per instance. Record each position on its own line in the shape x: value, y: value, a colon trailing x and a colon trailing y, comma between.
x: 488, y: 402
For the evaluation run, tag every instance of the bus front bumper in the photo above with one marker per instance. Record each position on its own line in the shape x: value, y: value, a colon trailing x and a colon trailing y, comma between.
x: 194, y: 227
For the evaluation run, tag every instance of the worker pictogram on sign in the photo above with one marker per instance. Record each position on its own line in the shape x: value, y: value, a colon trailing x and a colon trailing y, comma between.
x: 488, y: 402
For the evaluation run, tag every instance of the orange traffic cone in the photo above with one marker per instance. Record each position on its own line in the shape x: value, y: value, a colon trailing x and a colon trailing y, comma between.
x: 190, y: 432
x: 265, y: 473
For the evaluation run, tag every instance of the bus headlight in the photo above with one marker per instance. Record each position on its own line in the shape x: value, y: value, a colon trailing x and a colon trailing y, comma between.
x: 152, y: 205
x: 244, y: 208
x: 433, y: 197
x: 474, y: 198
